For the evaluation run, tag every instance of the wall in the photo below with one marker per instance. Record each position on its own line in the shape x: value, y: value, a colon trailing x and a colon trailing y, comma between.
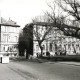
x: 69, y: 44
x: 9, y: 39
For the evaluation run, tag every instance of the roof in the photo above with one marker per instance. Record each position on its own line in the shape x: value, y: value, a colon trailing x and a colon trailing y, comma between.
x: 55, y: 25
x: 8, y: 23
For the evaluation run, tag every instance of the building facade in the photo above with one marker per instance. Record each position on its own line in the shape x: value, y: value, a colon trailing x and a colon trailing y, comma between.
x: 55, y: 41
x: 9, y: 33
x: 59, y: 41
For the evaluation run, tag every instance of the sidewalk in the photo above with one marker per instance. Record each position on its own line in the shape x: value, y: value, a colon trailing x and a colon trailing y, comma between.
x: 7, y: 74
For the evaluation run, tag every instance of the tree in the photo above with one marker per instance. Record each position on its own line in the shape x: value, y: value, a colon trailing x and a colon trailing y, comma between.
x: 21, y: 44
x: 41, y: 21
x: 67, y: 17
x: 72, y: 7
x: 26, y: 36
x: 26, y: 41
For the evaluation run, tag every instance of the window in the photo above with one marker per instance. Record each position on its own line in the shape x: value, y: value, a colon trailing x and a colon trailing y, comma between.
x: 3, y: 28
x: 15, y: 39
x: 6, y: 28
x: 6, y: 48
x: 43, y: 47
x: 37, y: 47
x: 4, y: 38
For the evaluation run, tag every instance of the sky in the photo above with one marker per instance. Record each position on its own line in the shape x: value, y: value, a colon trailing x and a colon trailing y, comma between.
x: 22, y: 11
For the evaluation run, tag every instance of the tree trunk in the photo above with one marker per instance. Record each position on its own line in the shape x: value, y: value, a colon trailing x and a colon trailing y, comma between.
x: 41, y: 50
x: 27, y: 55
x: 74, y: 49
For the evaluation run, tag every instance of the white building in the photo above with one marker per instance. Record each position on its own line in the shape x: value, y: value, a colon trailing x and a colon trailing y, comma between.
x: 9, y: 33
x: 56, y: 40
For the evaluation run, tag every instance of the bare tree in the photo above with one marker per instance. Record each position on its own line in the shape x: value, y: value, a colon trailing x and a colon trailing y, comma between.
x: 67, y: 22
x: 41, y: 21
x: 72, y: 7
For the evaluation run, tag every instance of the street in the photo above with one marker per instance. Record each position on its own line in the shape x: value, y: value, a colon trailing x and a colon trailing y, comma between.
x: 36, y: 70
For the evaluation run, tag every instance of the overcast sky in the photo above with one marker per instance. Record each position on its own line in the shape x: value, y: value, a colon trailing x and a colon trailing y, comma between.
x: 22, y: 11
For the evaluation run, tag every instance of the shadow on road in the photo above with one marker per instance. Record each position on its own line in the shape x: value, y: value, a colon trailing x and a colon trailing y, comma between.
x: 69, y: 60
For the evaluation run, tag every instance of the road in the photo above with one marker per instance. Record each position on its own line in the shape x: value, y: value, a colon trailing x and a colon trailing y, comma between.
x: 35, y: 70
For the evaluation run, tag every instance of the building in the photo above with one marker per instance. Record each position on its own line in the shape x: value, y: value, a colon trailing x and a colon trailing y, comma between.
x: 59, y: 41
x: 9, y: 33
x: 55, y: 41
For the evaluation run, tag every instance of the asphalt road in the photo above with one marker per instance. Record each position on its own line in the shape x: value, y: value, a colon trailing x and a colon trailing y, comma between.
x: 36, y: 70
